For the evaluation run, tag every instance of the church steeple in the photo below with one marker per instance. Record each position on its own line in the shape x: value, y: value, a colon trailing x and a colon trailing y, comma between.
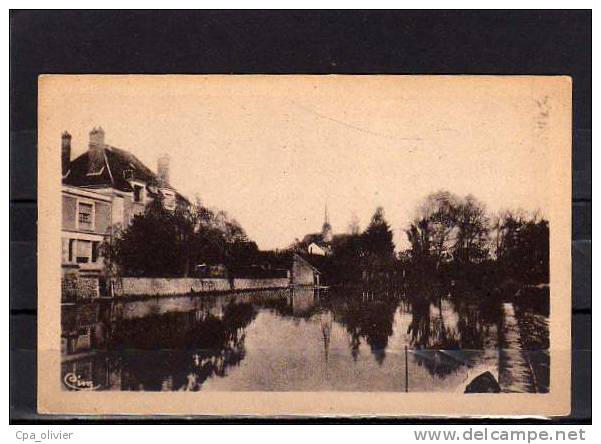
x: 326, y: 229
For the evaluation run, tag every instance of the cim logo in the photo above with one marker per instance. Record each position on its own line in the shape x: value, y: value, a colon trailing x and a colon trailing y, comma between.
x: 76, y: 382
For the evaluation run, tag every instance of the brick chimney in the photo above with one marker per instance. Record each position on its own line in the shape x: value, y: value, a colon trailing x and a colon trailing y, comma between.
x: 96, y: 150
x: 65, y: 152
x: 163, y: 169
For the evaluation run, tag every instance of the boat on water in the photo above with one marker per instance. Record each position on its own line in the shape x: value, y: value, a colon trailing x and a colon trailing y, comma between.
x: 481, y: 379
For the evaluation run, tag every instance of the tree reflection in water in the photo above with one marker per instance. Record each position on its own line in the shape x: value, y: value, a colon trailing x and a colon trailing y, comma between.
x: 179, y: 351
x: 448, y: 319
x: 366, y: 316
x: 179, y: 343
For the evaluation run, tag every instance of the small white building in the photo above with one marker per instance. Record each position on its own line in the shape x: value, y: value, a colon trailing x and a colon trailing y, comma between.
x: 320, y: 244
x: 318, y: 248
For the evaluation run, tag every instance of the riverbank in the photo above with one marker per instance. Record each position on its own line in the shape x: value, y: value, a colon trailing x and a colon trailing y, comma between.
x: 136, y: 287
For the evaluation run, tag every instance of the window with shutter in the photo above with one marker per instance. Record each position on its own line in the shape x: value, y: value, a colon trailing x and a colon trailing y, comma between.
x: 84, y: 251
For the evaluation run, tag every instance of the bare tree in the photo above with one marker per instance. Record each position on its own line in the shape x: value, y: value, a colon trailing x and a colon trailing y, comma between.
x: 432, y: 230
x: 472, y: 230
x: 449, y: 227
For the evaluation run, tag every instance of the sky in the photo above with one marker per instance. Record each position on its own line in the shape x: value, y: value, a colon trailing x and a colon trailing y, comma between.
x: 272, y: 151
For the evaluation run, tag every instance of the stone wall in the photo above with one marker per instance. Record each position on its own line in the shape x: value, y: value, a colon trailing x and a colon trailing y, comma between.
x: 247, y: 284
x: 87, y: 287
x: 75, y: 287
x: 174, y: 286
x: 69, y: 287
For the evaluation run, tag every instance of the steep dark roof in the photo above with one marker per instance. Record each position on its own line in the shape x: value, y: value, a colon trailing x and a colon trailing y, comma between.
x: 121, y: 162
x: 78, y: 176
x: 314, y: 262
x: 119, y: 166
x: 312, y: 237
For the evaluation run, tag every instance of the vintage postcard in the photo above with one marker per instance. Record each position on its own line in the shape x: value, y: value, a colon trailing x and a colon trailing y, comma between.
x: 304, y: 245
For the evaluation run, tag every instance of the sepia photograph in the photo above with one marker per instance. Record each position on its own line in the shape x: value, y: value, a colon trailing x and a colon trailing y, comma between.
x: 328, y: 236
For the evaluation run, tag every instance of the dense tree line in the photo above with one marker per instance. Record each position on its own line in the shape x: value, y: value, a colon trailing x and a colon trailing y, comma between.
x: 448, y: 228
x: 451, y: 232
x: 448, y: 235
x: 362, y: 256
x: 171, y: 243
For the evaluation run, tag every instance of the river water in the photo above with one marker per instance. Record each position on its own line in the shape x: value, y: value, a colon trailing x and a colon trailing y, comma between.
x: 304, y: 340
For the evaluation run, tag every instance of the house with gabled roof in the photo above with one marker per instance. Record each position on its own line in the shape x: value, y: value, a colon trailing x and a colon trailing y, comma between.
x: 118, y: 173
x: 319, y: 247
x: 102, y: 190
x: 319, y: 244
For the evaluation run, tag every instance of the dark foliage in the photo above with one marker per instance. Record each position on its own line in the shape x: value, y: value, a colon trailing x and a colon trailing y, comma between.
x: 523, y: 250
x: 365, y: 258
x: 163, y: 243
x: 454, y: 239
x: 155, y: 244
